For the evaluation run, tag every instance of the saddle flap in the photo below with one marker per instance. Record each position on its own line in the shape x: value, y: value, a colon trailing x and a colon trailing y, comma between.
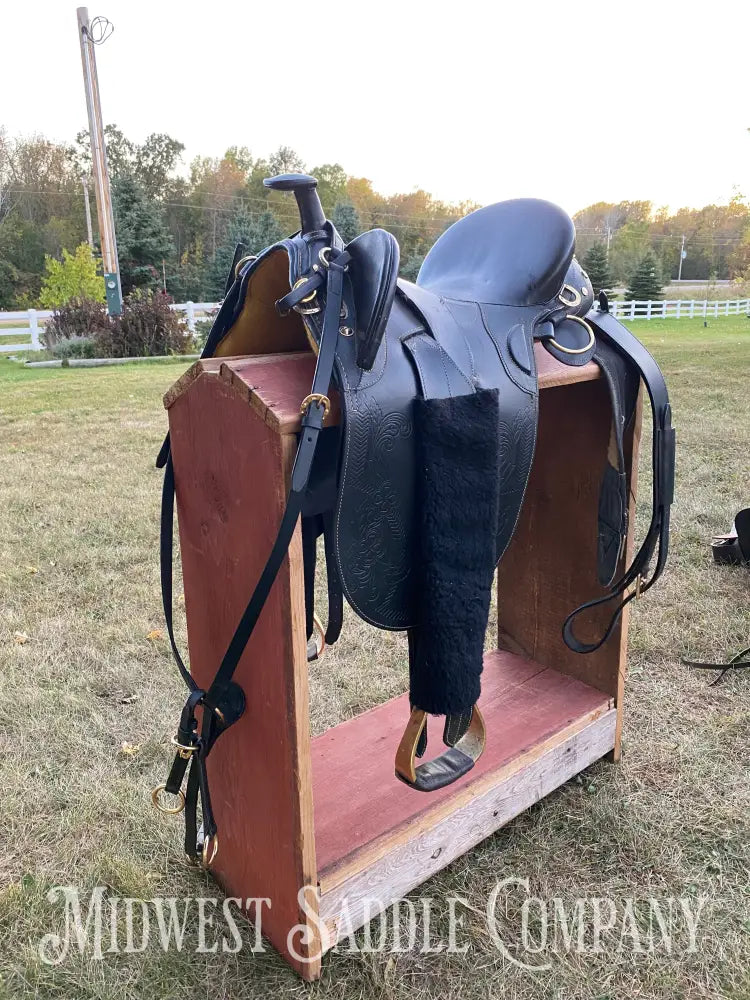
x: 373, y: 271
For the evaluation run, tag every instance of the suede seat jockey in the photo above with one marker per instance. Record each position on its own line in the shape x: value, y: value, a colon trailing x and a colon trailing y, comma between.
x: 439, y: 403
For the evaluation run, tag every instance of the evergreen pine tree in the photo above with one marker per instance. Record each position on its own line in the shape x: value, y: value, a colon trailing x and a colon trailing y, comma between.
x: 256, y: 232
x: 143, y: 240
x: 596, y: 265
x: 410, y: 266
x: 346, y: 220
x: 645, y: 282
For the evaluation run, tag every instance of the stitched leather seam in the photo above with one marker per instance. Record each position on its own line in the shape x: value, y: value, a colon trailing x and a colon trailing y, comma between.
x: 524, y: 388
x: 463, y: 337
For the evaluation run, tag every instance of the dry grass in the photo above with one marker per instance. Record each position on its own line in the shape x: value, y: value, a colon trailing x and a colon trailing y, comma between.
x: 78, y: 575
x: 708, y: 291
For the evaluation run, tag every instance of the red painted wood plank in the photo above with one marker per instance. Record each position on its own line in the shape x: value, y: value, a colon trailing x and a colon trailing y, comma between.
x: 276, y: 384
x: 230, y: 473
x: 356, y: 795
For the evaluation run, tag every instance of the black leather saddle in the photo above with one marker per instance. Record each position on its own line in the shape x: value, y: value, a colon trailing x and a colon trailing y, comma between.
x: 418, y: 490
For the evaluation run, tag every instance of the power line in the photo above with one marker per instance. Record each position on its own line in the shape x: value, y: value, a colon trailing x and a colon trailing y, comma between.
x: 432, y: 223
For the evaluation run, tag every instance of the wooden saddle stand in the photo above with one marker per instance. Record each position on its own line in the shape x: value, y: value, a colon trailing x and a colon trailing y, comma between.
x: 495, y: 378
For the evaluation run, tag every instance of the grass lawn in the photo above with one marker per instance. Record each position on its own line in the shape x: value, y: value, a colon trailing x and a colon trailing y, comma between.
x: 79, y: 595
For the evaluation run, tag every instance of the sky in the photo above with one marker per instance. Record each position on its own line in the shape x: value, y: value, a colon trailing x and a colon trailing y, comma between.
x: 470, y: 101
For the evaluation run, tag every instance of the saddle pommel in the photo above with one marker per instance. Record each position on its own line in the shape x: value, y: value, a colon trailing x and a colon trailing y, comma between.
x: 304, y: 187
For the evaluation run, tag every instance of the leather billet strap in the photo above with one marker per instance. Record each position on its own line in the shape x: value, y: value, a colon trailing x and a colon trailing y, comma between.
x: 739, y: 661
x: 448, y: 766
x: 635, y: 580
x: 223, y: 702
x: 312, y: 529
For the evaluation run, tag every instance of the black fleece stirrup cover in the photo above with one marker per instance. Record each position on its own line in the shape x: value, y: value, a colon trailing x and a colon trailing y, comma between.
x: 457, y: 511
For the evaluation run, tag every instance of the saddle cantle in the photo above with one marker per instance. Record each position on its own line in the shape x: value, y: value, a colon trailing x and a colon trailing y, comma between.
x: 439, y: 398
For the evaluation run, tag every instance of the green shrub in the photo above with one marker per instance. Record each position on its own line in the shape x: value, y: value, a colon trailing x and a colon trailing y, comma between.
x: 75, y: 347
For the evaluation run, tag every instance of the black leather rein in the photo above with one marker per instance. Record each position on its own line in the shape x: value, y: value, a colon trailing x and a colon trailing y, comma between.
x: 223, y: 703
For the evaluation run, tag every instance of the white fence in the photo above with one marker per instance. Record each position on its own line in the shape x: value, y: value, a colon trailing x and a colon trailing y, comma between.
x: 34, y: 319
x: 679, y: 308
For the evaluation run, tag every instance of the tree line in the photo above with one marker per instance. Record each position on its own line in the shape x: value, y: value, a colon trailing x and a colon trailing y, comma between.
x: 176, y: 229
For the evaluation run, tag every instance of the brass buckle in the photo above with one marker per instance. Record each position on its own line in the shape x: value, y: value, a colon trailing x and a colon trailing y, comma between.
x: 155, y: 798
x: 316, y: 397
x: 300, y: 307
x: 637, y: 587
x: 575, y: 350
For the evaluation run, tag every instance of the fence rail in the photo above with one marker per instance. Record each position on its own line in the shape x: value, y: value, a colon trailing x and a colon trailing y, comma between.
x: 679, y: 308
x: 34, y: 319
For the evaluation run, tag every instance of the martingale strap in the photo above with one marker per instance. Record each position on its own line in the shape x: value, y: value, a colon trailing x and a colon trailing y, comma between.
x: 635, y: 581
x: 223, y: 702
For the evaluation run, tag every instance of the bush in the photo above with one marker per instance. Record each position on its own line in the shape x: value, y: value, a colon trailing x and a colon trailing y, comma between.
x: 79, y: 318
x: 75, y: 347
x: 146, y: 328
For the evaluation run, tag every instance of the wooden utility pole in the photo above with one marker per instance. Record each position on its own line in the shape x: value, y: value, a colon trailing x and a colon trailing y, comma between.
x: 87, y: 203
x: 99, y: 166
x: 682, y: 257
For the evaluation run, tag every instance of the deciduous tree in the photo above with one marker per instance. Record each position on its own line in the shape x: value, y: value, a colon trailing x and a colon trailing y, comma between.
x: 73, y: 277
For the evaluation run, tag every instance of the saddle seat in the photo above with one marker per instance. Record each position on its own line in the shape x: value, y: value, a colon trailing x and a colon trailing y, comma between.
x: 514, y: 253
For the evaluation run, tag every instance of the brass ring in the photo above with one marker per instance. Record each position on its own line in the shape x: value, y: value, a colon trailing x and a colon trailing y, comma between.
x: 183, y: 751
x: 172, y: 809
x: 575, y: 350
x: 322, y: 634
x: 325, y: 256
x: 303, y: 281
x: 570, y: 303
x: 300, y: 307
x: 241, y: 263
x: 206, y: 862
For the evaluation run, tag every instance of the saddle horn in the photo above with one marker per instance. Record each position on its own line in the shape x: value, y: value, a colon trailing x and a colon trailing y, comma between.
x: 304, y: 186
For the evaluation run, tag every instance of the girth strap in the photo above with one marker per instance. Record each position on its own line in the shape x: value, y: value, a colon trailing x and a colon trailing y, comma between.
x: 223, y: 703
x: 663, y: 457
